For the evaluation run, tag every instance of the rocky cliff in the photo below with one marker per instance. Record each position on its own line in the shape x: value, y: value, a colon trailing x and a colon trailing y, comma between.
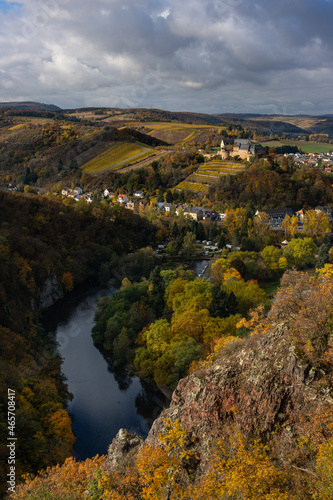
x: 260, y: 387
x: 50, y: 293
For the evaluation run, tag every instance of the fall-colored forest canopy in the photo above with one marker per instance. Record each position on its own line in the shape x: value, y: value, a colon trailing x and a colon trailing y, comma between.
x: 172, y: 320
x: 44, y: 241
x: 168, y: 325
x: 250, y: 464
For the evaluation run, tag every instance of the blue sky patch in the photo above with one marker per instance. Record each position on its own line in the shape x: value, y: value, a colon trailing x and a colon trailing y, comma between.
x: 6, y: 7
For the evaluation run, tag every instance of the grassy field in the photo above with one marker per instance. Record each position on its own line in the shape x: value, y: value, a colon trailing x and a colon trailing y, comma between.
x: 306, y: 146
x: 209, y: 174
x: 17, y: 127
x: 94, y: 152
x: 176, y: 133
x: 137, y: 159
x: 195, y: 187
x: 117, y: 156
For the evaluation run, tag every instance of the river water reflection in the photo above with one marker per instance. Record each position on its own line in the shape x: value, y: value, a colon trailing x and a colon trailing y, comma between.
x: 103, y: 400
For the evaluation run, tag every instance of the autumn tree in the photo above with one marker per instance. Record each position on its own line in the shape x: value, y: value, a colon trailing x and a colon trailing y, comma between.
x: 69, y: 481
x: 304, y: 305
x: 316, y: 222
x: 300, y: 252
x: 290, y: 225
x: 222, y: 304
x: 324, y: 468
x: 218, y: 270
x: 234, y: 221
x: 261, y: 228
x: 165, y: 468
x: 242, y: 470
x: 271, y: 256
x: 249, y: 295
x: 189, y: 244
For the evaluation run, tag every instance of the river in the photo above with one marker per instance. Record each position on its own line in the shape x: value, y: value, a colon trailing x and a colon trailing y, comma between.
x: 104, y: 399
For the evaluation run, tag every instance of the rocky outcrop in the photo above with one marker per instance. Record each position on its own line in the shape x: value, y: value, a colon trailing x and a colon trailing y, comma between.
x: 259, y: 386
x: 123, y: 447
x: 51, y: 292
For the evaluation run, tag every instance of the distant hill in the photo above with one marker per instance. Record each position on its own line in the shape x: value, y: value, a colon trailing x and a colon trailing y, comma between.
x: 264, y: 123
x: 154, y: 115
x: 35, y: 106
x: 297, y: 124
x: 179, y: 116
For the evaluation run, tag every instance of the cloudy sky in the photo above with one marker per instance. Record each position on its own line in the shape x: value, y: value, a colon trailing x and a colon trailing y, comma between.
x: 261, y: 56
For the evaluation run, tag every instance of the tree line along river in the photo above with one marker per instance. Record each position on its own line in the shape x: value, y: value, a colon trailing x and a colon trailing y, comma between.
x: 104, y: 399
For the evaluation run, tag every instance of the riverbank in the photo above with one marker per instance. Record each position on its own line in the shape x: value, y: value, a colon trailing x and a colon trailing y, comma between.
x: 105, y: 399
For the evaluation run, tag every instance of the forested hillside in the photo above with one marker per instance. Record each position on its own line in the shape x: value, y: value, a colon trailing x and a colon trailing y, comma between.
x: 46, y: 248
x: 255, y: 424
x: 251, y: 415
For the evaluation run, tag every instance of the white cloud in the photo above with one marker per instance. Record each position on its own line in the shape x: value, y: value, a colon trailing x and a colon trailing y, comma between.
x: 214, y: 55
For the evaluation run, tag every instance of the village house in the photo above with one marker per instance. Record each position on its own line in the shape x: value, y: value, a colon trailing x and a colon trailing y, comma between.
x: 88, y: 198
x: 138, y: 194
x: 300, y: 214
x: 122, y: 199
x: 206, y: 213
x: 72, y: 193
x: 326, y: 210
x: 130, y: 205
x: 195, y: 213
x: 66, y: 191
x: 108, y: 193
x: 276, y: 215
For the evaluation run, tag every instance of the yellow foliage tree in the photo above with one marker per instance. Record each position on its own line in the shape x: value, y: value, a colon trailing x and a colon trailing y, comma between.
x: 218, y: 270
x: 326, y: 271
x: 71, y: 480
x: 162, y: 468
x: 234, y: 220
x: 324, y: 469
x: 231, y: 274
x: 67, y: 281
x: 290, y: 225
x: 125, y: 283
x: 316, y: 222
x: 240, y: 471
x: 257, y: 322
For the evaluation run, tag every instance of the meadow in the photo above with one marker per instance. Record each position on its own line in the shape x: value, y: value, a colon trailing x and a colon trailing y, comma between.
x: 117, y: 156
x: 306, y: 146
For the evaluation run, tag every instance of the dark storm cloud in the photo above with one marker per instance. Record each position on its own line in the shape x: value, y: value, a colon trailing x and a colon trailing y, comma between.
x: 215, y: 55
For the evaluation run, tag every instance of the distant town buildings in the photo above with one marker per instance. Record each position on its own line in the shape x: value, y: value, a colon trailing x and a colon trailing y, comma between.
x: 324, y: 160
